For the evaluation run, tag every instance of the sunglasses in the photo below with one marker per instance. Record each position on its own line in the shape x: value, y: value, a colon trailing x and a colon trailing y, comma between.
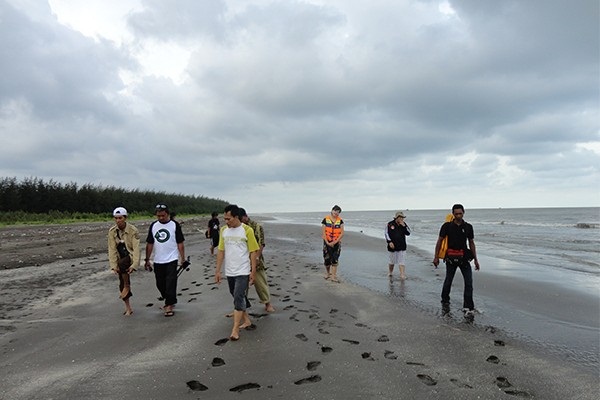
x: 161, y: 207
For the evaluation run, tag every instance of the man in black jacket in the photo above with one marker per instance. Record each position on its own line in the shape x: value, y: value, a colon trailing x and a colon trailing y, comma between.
x: 395, y: 235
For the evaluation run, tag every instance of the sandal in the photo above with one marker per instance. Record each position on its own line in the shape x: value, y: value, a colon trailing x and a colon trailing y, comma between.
x: 169, y: 313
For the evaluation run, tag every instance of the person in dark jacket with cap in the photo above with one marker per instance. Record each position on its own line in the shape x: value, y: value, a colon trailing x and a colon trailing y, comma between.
x: 395, y: 234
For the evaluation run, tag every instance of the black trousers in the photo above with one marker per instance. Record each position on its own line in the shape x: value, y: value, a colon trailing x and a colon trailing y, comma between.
x: 166, y: 281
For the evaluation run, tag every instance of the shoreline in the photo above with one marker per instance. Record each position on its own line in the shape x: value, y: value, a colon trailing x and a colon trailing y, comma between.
x: 548, y: 315
x: 324, y: 339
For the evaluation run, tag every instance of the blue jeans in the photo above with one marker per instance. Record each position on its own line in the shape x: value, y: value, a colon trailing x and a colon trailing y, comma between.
x: 467, y: 273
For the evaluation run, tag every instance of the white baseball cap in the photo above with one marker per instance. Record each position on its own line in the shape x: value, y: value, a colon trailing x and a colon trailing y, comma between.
x: 120, y: 211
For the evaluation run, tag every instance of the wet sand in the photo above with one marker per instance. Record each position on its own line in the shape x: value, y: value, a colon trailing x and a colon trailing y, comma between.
x: 63, y: 335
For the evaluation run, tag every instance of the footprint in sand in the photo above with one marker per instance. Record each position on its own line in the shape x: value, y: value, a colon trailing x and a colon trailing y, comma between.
x: 351, y: 341
x: 218, y: 362
x: 502, y: 382
x: 426, y: 379
x: 312, y: 365
x: 245, y: 386
x: 326, y: 349
x: 499, y: 343
x: 302, y: 337
x: 383, y: 338
x: 493, y: 359
x: 221, y: 342
x: 149, y: 304
x: 390, y: 355
x: 196, y: 386
x: 192, y: 299
x: 415, y: 363
x: 323, y: 331
x: 519, y: 393
x: 367, y: 356
x: 310, y: 379
x: 461, y: 384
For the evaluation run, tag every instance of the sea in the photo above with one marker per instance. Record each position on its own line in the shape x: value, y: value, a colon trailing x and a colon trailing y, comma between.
x: 542, y: 256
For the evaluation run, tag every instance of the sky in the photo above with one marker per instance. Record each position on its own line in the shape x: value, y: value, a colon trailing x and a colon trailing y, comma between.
x: 287, y: 105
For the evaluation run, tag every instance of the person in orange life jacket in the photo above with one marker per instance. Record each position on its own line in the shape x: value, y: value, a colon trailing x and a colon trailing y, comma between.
x: 123, y: 254
x: 395, y: 235
x: 459, y: 232
x: 332, y: 233
x: 165, y: 238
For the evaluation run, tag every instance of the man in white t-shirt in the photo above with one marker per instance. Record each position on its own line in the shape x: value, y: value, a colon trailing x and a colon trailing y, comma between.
x: 237, y: 250
x: 165, y: 238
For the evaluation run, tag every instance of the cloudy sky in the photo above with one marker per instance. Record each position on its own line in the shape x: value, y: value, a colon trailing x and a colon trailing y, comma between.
x: 296, y: 105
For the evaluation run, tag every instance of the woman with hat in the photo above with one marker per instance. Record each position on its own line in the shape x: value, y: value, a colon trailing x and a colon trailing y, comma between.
x: 395, y: 234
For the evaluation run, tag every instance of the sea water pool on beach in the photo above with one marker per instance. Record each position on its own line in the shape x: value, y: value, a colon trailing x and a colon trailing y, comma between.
x: 540, y: 277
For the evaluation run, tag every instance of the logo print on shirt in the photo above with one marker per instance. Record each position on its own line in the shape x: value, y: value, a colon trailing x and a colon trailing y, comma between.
x: 162, y: 235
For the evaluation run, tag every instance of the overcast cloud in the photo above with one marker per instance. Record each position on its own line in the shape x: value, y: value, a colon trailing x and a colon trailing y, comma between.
x: 284, y: 105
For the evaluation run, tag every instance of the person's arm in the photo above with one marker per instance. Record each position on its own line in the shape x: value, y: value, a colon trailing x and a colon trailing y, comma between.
x: 112, y: 253
x: 388, y: 239
x: 181, y: 248
x: 339, y: 239
x: 474, y: 251
x: 253, y: 262
x: 220, y: 258
x: 324, y: 234
x: 436, y: 259
x: 149, y: 248
x: 135, y: 250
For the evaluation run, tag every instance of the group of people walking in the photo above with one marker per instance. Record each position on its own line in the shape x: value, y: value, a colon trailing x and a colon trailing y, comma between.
x: 455, y: 245
x: 239, y: 253
x: 240, y: 245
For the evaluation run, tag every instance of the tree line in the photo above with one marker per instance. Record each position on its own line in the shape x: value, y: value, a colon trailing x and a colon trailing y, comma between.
x: 36, y: 196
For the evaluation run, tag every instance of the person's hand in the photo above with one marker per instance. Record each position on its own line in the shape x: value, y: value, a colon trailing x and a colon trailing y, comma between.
x: 436, y: 261
x: 391, y: 245
x: 147, y: 266
x: 476, y: 265
x: 251, y: 278
x: 218, y: 278
x: 114, y: 272
x: 131, y: 270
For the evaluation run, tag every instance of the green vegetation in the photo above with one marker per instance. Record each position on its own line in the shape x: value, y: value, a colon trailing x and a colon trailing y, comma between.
x: 34, y: 201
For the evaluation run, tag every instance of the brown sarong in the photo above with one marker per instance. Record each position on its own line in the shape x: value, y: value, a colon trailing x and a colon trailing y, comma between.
x: 124, y: 286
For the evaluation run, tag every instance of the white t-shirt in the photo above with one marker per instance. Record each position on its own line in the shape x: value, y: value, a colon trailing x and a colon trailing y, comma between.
x: 165, y: 238
x: 237, y: 243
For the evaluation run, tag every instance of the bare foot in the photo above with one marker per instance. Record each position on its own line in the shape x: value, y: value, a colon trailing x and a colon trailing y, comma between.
x: 269, y: 308
x: 128, y: 312
x: 245, y: 325
x: 229, y: 315
x: 403, y: 278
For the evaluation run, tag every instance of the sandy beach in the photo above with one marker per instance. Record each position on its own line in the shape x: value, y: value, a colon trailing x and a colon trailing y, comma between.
x: 63, y: 335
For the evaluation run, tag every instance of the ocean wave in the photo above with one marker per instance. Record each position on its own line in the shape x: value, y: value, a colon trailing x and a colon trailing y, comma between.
x: 587, y: 225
